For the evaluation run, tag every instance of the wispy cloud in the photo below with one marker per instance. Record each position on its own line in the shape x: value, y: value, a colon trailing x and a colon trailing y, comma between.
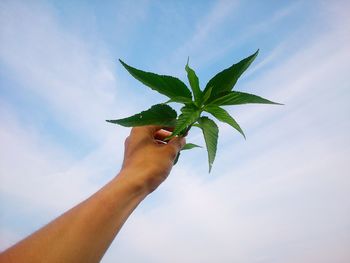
x: 277, y: 197
x: 74, y: 81
x: 200, y: 46
x: 281, y: 190
x: 206, y: 26
x: 76, y: 85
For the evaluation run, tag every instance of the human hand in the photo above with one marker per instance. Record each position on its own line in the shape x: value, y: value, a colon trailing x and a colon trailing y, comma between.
x: 148, y: 159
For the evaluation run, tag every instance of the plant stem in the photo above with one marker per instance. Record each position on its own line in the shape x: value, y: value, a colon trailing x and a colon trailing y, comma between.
x: 187, y: 130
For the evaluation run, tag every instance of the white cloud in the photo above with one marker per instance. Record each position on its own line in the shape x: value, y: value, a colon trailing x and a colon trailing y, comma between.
x: 280, y: 196
x: 220, y: 11
x: 39, y: 175
x: 277, y: 197
x: 76, y: 84
x: 73, y: 78
x: 199, y: 47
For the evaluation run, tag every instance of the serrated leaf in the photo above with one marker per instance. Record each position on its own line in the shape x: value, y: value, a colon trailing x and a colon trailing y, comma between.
x: 224, y: 116
x: 179, y: 99
x: 211, y: 134
x: 206, y: 96
x: 189, y: 146
x: 189, y: 114
x: 237, y: 98
x: 167, y: 85
x: 226, y: 79
x: 194, y: 83
x: 159, y: 114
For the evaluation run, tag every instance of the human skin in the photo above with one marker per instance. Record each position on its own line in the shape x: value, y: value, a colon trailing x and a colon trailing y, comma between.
x: 84, y: 233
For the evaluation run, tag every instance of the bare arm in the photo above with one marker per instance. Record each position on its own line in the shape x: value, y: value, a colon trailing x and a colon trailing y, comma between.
x: 84, y: 233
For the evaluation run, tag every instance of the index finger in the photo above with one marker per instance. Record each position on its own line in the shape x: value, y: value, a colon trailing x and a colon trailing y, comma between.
x: 150, y: 130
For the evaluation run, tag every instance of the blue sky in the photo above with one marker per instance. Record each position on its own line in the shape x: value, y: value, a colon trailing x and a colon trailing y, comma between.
x: 280, y: 196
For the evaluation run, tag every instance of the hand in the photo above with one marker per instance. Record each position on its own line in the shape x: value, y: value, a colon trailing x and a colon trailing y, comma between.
x: 84, y: 233
x: 148, y: 159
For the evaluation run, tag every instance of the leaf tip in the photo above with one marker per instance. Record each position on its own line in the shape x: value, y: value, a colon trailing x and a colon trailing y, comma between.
x: 123, y: 64
x: 210, y: 166
x: 276, y: 103
x: 256, y: 53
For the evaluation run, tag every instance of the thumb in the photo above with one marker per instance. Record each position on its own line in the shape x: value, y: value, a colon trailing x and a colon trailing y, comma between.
x: 178, y: 142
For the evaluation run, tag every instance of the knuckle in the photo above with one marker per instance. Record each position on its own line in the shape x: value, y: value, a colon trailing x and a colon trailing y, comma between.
x: 134, y: 130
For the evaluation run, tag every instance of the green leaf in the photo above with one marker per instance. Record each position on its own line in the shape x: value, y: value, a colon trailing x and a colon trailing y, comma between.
x: 179, y: 99
x: 194, y: 83
x: 236, y: 98
x: 211, y: 134
x: 188, y: 116
x: 159, y: 114
x: 206, y: 96
x: 226, y: 79
x: 224, y: 116
x: 176, y: 158
x: 189, y: 146
x: 167, y: 85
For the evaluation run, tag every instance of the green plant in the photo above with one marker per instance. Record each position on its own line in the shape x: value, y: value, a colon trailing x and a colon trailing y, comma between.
x: 217, y: 93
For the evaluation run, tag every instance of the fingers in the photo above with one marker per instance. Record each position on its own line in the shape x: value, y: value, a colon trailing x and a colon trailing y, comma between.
x: 150, y: 130
x: 161, y: 134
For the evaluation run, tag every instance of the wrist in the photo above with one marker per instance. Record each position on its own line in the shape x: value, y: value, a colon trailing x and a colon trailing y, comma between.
x: 134, y: 181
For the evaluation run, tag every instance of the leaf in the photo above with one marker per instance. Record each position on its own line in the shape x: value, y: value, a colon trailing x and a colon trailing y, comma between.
x: 224, y: 116
x: 189, y: 146
x: 176, y: 158
x: 159, y: 114
x: 188, y: 116
x: 237, y: 98
x: 179, y: 99
x: 226, y: 79
x: 211, y: 134
x: 206, y: 96
x: 167, y: 85
x: 194, y: 83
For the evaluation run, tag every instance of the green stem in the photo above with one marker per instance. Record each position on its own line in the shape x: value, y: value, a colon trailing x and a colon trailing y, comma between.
x: 184, y: 133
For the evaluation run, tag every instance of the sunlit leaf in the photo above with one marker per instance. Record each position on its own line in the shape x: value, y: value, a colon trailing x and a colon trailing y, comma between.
x: 159, y: 114
x: 226, y: 79
x: 194, y: 83
x: 189, y: 114
x: 224, y: 116
x: 167, y: 85
x: 211, y: 134
x: 206, y: 95
x: 189, y: 146
x: 237, y: 98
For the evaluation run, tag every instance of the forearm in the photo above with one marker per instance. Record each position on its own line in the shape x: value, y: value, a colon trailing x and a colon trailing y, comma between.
x: 84, y: 233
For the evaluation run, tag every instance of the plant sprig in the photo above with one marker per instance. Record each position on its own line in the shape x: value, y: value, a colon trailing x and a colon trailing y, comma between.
x: 217, y: 93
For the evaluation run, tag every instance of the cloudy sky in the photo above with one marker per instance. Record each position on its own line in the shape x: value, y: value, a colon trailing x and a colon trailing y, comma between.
x: 280, y: 196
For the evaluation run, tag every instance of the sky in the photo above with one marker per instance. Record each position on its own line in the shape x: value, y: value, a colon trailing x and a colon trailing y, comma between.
x: 282, y: 195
